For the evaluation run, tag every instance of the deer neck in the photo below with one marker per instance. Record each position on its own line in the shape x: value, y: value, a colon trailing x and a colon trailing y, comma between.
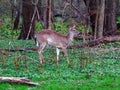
x: 70, y: 37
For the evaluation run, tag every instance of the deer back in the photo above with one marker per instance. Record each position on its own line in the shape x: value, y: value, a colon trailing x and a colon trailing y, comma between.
x: 52, y: 38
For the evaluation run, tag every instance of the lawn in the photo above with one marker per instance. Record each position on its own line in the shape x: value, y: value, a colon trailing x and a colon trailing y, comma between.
x: 95, y: 68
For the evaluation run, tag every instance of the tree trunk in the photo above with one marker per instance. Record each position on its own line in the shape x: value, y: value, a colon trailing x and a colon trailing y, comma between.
x: 17, y: 19
x: 47, y: 15
x: 101, y: 19
x: 93, y: 9
x: 40, y: 11
x: 27, y: 13
x: 110, y: 23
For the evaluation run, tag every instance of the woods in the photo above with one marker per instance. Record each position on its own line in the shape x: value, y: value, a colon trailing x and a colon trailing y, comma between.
x: 100, y: 16
x: 89, y: 62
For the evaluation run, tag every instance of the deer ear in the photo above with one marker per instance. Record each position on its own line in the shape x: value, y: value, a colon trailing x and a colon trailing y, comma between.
x: 71, y: 26
x: 74, y: 26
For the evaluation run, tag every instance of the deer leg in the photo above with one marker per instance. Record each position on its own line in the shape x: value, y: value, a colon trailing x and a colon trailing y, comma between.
x: 36, y: 42
x: 58, y: 52
x: 42, y: 46
x: 65, y: 52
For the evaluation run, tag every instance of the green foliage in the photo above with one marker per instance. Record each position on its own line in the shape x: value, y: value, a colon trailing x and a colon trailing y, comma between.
x: 61, y: 27
x: 6, y: 32
x: 91, y: 68
x: 118, y: 19
x: 15, y: 33
x: 118, y: 22
x: 38, y: 26
x: 80, y: 28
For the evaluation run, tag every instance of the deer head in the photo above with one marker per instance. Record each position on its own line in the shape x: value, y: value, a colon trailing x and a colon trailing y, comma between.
x: 55, y: 39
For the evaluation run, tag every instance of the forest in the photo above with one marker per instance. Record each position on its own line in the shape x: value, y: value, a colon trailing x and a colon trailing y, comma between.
x: 78, y: 44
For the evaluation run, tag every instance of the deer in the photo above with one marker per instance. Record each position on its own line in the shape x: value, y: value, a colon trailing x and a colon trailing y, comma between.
x: 59, y: 41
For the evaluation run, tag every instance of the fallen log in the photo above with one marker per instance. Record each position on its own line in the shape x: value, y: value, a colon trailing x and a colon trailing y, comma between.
x: 112, y: 38
x: 87, y: 44
x: 17, y: 80
x: 97, y: 42
x: 18, y: 49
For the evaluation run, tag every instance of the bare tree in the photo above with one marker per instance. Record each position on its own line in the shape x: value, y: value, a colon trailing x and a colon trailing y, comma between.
x: 47, y: 15
x: 18, y: 13
x: 27, y: 14
x: 110, y: 23
x: 101, y: 19
x: 103, y: 15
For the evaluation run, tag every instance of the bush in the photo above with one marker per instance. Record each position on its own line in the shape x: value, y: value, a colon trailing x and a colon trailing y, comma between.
x: 6, y: 32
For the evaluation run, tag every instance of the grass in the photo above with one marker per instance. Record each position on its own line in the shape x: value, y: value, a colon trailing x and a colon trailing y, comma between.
x: 91, y: 68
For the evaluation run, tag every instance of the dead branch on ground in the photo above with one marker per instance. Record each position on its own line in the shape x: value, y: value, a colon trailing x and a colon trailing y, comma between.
x: 88, y: 44
x: 17, y: 80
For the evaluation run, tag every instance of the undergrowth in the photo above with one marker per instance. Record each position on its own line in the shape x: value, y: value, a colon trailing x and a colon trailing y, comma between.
x: 91, y: 68
x: 95, y: 68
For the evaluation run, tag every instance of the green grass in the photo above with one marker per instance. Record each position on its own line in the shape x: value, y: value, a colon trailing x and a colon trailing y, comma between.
x: 91, y: 68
